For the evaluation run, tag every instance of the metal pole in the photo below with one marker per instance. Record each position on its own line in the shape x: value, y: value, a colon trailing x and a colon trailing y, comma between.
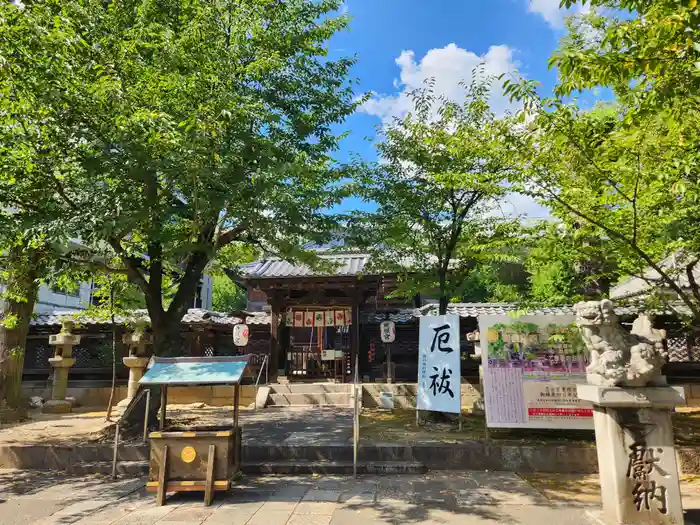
x: 116, y: 447
x: 145, y: 417
x: 389, y: 375
x: 355, y: 420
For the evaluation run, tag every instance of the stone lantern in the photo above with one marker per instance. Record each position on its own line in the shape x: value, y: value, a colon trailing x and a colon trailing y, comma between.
x: 61, y: 362
x: 138, y: 358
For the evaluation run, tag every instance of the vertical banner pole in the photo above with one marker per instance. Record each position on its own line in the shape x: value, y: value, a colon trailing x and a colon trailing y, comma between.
x: 355, y: 419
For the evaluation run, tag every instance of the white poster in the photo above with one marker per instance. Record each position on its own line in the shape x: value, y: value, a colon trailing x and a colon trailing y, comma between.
x: 531, y: 366
x: 439, y: 364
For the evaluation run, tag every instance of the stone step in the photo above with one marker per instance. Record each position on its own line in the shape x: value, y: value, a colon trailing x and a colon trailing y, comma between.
x: 127, y: 469
x: 310, y: 399
x: 334, y: 467
x: 309, y: 388
x: 62, y: 457
x: 291, y: 453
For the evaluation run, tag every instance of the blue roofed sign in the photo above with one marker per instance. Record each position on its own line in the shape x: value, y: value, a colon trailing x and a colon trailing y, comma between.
x: 195, y: 371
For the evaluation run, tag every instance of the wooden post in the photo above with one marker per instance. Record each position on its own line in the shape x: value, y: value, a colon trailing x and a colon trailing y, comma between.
x: 163, y: 403
x: 209, y: 487
x: 355, y: 336
x: 236, y: 401
x: 162, y: 478
x: 274, y: 337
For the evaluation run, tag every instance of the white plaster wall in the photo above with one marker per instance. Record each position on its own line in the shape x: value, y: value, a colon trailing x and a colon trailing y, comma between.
x: 53, y: 301
x: 207, y: 285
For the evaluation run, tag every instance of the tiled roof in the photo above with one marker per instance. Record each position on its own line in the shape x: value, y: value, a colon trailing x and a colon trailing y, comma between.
x: 402, y: 316
x: 674, y: 266
x: 477, y: 309
x: 342, y: 265
x: 193, y: 316
x: 258, y: 318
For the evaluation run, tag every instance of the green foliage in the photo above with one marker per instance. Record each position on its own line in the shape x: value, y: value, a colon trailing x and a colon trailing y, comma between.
x: 227, y: 296
x: 437, y: 186
x: 648, y: 51
x: 626, y: 173
x: 568, y: 264
x: 495, y: 282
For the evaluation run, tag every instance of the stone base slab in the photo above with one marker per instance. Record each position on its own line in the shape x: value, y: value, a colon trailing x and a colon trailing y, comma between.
x: 640, y: 397
x: 468, y: 456
x: 57, y: 406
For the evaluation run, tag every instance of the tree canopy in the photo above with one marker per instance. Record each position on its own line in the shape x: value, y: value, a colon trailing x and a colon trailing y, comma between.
x: 187, y: 126
x: 437, y: 184
x: 626, y: 172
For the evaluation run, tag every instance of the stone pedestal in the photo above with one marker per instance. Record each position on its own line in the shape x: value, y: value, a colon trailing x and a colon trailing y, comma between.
x: 136, y: 365
x: 61, y: 363
x: 639, y: 478
x: 137, y: 361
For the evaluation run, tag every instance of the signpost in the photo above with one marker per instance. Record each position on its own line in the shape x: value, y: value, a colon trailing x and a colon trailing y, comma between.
x: 439, y: 373
x: 387, y: 330
x: 531, y: 366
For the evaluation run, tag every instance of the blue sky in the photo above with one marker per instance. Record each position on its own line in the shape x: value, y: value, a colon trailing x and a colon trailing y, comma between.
x: 399, y: 43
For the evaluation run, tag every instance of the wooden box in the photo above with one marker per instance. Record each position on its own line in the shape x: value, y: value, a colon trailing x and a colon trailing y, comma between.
x: 193, y: 461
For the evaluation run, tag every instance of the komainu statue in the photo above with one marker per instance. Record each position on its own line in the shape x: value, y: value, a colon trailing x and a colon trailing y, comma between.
x: 618, y: 357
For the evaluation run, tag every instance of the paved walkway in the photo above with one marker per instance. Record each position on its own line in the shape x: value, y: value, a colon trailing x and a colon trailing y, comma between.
x: 465, y: 498
x: 310, y: 426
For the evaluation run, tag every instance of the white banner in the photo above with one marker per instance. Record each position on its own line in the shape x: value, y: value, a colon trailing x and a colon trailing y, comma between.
x: 439, y: 375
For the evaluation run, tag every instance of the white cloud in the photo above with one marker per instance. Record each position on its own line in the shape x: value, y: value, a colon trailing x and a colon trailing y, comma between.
x: 449, y: 66
x: 517, y: 205
x: 552, y: 13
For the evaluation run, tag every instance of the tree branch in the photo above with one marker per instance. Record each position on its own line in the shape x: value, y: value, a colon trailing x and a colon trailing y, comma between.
x: 133, y: 266
x: 670, y: 282
x: 692, y: 282
x: 232, y: 234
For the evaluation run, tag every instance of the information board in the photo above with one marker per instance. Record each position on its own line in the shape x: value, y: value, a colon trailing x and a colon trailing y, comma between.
x: 531, y: 366
x: 439, y: 373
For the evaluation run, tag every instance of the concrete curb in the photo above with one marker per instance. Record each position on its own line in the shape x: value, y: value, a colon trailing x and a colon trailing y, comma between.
x: 468, y: 455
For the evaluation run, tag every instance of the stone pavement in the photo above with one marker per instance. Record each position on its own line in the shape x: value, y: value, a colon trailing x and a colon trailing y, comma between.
x: 320, y: 426
x: 465, y: 498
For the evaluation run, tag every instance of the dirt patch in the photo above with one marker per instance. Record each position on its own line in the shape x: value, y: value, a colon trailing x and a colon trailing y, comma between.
x: 585, y: 489
x: 400, y: 426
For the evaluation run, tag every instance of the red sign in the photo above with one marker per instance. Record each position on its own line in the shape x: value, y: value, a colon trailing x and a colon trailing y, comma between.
x: 560, y: 412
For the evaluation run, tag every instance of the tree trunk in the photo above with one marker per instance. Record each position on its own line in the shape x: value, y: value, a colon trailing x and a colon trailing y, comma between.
x: 21, y: 288
x: 167, y: 341
x: 444, y: 300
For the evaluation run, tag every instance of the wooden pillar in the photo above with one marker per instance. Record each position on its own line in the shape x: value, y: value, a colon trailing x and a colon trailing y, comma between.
x: 274, y: 337
x: 354, y: 335
x: 163, y: 404
x: 236, y: 402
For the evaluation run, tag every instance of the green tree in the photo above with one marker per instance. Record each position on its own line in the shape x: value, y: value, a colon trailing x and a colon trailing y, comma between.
x: 192, y: 125
x: 647, y: 51
x: 567, y: 264
x: 437, y: 186
x: 629, y: 170
x: 496, y: 282
x: 35, y: 162
x: 226, y: 295
x: 592, y: 168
